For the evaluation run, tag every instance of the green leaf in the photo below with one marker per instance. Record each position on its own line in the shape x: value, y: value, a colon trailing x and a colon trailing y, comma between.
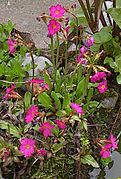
x: 66, y: 100
x: 80, y: 88
x: 118, y: 78
x: 56, y: 147
x: 56, y: 99
x: 88, y: 159
x: 15, y: 131
x: 27, y: 99
x: 109, y: 60
x: 90, y: 94
x: 45, y: 100
x: 48, y: 80
x: 93, y: 104
x: 103, y: 36
x: 116, y: 14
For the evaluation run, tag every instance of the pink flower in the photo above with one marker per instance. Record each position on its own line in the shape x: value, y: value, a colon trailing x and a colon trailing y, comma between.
x: 105, y: 151
x: 83, y: 49
x: 31, y: 113
x: 41, y: 152
x: 27, y: 147
x: 81, y: 60
x: 98, y: 76
x: 112, y: 139
x: 39, y: 82
x: 53, y: 27
x: 46, y: 129
x: 9, y: 91
x: 77, y: 108
x: 102, y: 87
x: 60, y: 123
x: 89, y: 42
x: 57, y: 11
x: 11, y: 46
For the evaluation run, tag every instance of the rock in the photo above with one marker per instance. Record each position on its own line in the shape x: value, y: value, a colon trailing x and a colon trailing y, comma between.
x: 40, y: 61
x: 110, y: 102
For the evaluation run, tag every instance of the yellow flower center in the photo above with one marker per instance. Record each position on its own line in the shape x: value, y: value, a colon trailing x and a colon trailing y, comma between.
x: 27, y: 146
x: 57, y: 12
x: 103, y: 86
x: 54, y: 26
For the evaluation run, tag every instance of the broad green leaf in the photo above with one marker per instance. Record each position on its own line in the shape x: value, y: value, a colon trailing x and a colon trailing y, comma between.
x: 93, y: 104
x: 27, y: 99
x: 58, y: 146
x: 56, y: 99
x: 102, y: 37
x: 90, y: 94
x: 116, y: 15
x: 118, y: 78
x: 66, y: 100
x: 48, y: 80
x: 45, y: 100
x: 109, y: 60
x: 15, y: 131
x: 80, y: 88
x: 88, y: 159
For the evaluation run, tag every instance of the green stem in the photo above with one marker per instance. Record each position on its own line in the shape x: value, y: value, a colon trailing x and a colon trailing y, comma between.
x: 86, y: 85
x: 52, y: 52
x: 57, y: 55
x: 66, y: 57
x: 33, y: 72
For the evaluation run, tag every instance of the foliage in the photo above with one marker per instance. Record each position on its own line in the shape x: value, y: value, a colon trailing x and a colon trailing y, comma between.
x: 46, y: 129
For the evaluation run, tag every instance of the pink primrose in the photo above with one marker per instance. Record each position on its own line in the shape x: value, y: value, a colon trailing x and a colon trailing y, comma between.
x: 27, y: 147
x: 57, y: 11
x: 102, y: 87
x: 53, y: 27
x: 41, y: 82
x: 31, y: 113
x: 60, y: 123
x: 9, y: 92
x: 105, y: 152
x: 81, y: 60
x: 83, y: 49
x: 89, y: 42
x: 41, y: 152
x: 46, y: 129
x: 77, y: 108
x: 98, y: 76
x: 112, y: 139
x: 11, y: 46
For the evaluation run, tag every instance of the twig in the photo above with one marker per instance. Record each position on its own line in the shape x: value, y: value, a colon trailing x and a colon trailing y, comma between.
x: 115, y: 120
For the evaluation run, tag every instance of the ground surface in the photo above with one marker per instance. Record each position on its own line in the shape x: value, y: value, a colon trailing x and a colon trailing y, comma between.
x: 24, y: 12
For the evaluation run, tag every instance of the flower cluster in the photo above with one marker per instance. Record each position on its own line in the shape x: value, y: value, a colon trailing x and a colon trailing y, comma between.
x: 39, y: 85
x: 28, y: 148
x: 100, y: 77
x: 31, y: 113
x: 56, y: 12
x: 109, y: 144
x: 77, y: 108
x: 11, y: 93
x: 46, y: 127
x: 81, y: 59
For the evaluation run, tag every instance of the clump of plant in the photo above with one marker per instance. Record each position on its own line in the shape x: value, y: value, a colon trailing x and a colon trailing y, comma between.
x: 46, y: 131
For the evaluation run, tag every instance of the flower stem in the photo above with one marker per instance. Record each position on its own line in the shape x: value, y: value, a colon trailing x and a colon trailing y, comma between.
x: 57, y: 55
x: 33, y: 72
